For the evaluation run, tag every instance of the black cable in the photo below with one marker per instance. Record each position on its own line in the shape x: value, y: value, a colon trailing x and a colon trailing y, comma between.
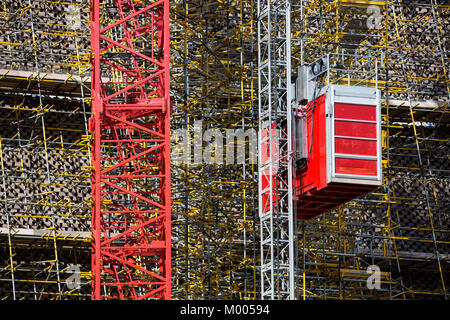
x: 305, y: 164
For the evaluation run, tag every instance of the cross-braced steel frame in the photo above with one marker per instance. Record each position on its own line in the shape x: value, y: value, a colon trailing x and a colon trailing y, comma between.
x: 275, y: 165
x: 131, y: 149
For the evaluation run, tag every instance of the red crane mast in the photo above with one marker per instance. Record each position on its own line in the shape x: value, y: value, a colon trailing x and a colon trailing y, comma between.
x: 130, y: 122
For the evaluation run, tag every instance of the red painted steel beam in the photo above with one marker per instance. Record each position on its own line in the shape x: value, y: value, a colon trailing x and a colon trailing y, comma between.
x: 130, y: 122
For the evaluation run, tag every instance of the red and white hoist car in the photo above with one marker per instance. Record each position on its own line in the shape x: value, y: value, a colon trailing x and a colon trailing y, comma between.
x: 337, y: 145
x: 341, y: 137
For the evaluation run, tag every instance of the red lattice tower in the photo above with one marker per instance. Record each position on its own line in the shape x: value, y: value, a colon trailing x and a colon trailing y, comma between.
x: 131, y: 149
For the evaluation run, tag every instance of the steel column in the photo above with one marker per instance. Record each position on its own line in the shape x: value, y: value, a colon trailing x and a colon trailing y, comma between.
x: 130, y: 150
x: 275, y: 141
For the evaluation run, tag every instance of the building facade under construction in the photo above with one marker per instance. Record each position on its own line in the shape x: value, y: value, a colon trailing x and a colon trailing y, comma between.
x: 234, y: 65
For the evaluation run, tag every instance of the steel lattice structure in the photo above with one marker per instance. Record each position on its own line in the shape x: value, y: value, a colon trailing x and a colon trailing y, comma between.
x: 45, y: 149
x: 131, y: 150
x: 275, y: 165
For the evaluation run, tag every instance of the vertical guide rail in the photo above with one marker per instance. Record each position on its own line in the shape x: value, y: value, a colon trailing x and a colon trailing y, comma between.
x: 131, y: 218
x: 275, y: 143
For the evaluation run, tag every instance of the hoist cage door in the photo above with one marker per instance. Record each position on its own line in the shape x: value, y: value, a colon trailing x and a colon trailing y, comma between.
x: 353, y: 135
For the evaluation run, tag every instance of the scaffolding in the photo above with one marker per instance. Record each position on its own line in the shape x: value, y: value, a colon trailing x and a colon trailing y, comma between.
x: 403, y: 226
x: 44, y: 150
x: 214, y: 226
